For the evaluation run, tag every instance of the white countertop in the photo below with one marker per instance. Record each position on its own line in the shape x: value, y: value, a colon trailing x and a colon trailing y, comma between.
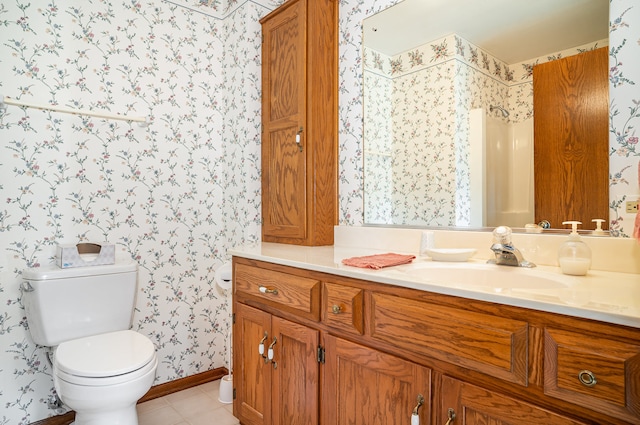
x: 610, y: 297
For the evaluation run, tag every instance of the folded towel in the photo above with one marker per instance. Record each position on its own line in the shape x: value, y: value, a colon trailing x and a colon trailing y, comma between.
x: 378, y: 261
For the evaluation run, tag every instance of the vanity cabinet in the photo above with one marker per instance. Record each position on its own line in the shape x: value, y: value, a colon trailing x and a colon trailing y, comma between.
x: 275, y: 360
x: 351, y: 351
x: 300, y: 122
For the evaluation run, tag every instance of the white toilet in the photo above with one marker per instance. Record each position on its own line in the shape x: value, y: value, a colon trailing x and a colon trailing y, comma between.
x: 101, y: 368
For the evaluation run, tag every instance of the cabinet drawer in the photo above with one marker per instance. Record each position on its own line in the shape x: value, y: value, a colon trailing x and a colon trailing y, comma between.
x: 594, y: 372
x: 343, y: 308
x: 295, y: 294
x: 482, y: 342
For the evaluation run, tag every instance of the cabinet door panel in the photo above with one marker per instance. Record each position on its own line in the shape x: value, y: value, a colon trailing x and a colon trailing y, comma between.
x: 295, y: 374
x: 343, y: 308
x: 284, y: 191
x: 252, y: 377
x: 477, y: 406
x: 363, y: 386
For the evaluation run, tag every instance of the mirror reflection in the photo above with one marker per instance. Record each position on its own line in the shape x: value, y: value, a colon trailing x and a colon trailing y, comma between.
x: 448, y: 106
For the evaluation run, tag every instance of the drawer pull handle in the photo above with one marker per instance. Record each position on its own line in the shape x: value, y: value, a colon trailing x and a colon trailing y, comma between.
x: 587, y: 378
x: 415, y: 419
x: 336, y: 309
x: 261, y: 345
x: 270, y: 352
x: 266, y: 290
x: 451, y: 416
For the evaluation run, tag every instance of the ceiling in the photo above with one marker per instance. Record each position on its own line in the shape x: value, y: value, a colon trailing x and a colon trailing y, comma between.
x: 511, y: 30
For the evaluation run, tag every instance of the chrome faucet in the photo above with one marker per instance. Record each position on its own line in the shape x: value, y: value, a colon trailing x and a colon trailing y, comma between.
x: 506, y: 253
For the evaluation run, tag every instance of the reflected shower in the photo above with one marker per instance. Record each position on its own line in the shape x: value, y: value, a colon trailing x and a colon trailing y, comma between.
x: 505, y: 113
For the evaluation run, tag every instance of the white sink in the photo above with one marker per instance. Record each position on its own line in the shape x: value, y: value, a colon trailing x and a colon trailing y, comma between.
x: 488, y: 276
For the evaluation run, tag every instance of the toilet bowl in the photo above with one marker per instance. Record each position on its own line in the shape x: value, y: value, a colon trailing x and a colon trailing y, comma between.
x: 101, y: 368
x: 103, y: 376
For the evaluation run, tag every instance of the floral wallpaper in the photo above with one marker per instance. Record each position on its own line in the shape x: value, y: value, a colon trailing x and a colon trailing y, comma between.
x: 173, y: 196
x: 176, y: 195
x: 432, y: 90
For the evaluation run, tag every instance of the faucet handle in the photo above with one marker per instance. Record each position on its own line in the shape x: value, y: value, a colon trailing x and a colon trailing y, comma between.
x: 502, y: 235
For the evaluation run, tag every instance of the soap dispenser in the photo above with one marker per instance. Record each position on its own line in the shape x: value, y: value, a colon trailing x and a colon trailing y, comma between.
x: 574, y: 255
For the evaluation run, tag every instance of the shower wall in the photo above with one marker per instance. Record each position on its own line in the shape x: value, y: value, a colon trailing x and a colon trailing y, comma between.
x: 509, y: 159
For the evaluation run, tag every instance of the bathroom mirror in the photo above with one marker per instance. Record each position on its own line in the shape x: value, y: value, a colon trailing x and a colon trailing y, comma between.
x: 493, y: 46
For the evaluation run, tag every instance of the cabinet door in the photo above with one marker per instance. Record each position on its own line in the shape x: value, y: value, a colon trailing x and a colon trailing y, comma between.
x: 284, y: 197
x: 362, y: 386
x: 252, y: 380
x: 295, y: 372
x: 474, y: 405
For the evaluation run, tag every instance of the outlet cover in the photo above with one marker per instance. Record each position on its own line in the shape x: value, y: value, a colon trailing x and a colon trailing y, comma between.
x: 632, y: 207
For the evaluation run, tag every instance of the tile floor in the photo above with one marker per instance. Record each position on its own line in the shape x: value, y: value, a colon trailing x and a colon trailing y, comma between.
x: 194, y: 406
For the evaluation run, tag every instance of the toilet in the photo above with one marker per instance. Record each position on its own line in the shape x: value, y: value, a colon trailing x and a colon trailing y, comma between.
x: 101, y: 367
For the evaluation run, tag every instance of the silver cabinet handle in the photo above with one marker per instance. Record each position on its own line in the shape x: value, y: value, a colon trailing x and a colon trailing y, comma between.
x: 587, y: 378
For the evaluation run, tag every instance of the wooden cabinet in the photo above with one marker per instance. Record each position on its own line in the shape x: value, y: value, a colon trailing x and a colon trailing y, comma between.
x: 350, y: 351
x: 299, y: 118
x: 277, y: 385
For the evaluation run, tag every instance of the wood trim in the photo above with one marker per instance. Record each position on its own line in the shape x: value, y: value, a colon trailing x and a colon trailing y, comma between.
x: 156, y: 391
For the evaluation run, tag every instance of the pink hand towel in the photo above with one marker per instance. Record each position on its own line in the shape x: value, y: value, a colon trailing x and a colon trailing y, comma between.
x: 636, y: 226
x: 378, y: 261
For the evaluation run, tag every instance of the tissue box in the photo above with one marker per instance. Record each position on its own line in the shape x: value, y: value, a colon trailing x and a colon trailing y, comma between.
x: 85, y: 254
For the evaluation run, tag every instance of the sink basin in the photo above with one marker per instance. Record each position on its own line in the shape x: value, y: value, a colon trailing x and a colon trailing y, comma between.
x: 488, y: 276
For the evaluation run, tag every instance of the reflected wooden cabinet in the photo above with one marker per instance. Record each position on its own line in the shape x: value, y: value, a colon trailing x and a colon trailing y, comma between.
x: 299, y: 119
x: 354, y: 352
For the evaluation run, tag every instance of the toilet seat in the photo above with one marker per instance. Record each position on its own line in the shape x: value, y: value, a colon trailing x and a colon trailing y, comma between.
x: 104, y: 359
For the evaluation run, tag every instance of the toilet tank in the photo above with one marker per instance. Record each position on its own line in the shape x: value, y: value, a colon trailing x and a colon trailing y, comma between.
x: 65, y: 304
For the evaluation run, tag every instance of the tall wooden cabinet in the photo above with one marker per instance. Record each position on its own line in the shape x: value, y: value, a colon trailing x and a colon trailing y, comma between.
x: 300, y: 122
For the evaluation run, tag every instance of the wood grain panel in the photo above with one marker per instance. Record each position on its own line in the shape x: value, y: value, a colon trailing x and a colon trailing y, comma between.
x: 477, y: 406
x: 295, y: 374
x: 488, y: 344
x: 285, y: 212
x: 615, y: 365
x: 365, y: 387
x: 571, y: 133
x: 295, y: 293
x: 252, y: 376
x: 343, y: 308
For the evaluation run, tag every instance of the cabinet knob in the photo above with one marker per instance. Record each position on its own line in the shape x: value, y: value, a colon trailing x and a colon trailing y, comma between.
x: 587, y: 378
x: 336, y: 309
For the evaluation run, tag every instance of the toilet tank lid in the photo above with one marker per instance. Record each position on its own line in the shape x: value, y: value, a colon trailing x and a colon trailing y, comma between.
x: 105, y: 355
x: 54, y: 272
